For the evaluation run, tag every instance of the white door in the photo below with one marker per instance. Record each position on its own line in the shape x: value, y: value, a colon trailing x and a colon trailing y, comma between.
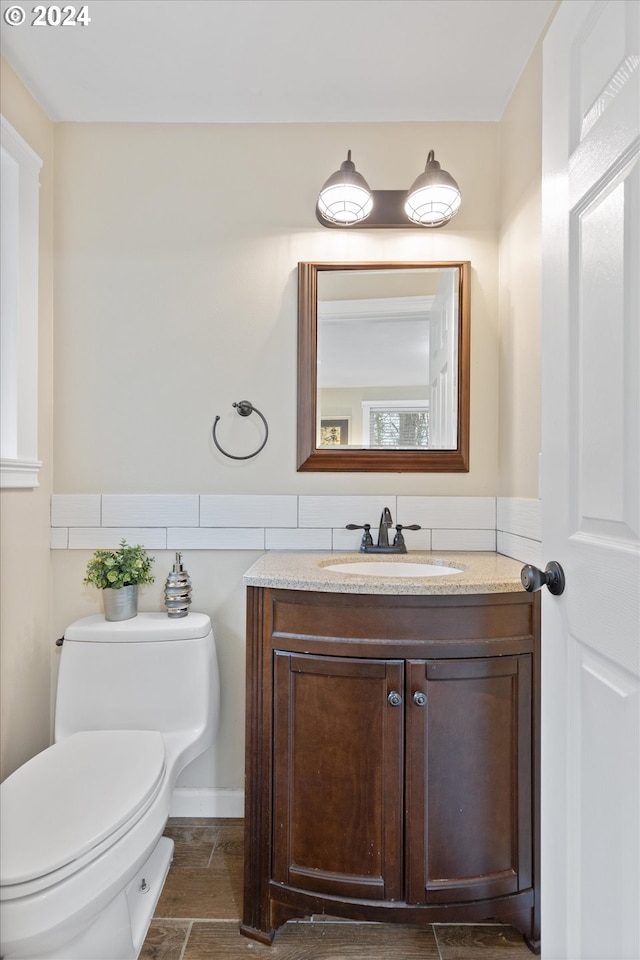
x: 590, y: 887
x: 443, y: 367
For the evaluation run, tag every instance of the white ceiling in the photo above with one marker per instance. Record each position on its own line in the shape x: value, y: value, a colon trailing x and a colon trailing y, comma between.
x: 278, y: 60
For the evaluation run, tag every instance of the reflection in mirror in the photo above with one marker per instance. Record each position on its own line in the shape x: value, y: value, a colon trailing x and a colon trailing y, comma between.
x: 383, y: 366
x: 387, y: 346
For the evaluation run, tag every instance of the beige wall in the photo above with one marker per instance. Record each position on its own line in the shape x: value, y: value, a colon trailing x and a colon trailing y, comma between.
x: 176, y: 251
x: 176, y: 281
x: 520, y: 285
x: 25, y: 607
x: 176, y: 288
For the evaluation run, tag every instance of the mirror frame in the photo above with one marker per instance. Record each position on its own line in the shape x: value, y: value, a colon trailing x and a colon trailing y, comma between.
x: 334, y: 459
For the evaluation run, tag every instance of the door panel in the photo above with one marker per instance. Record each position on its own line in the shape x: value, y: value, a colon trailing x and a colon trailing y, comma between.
x: 474, y: 737
x: 591, y: 482
x: 605, y: 475
x: 338, y: 756
x: 605, y: 701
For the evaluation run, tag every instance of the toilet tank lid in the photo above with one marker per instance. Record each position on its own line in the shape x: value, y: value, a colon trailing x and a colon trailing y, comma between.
x: 146, y: 626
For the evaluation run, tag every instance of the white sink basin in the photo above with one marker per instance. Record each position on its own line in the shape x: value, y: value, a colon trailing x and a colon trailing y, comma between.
x: 390, y: 568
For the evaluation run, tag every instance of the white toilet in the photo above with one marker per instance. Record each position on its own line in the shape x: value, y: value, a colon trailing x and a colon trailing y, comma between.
x: 82, y: 856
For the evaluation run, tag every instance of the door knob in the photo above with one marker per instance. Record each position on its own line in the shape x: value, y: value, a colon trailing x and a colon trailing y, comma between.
x: 394, y: 698
x: 419, y: 698
x: 552, y: 576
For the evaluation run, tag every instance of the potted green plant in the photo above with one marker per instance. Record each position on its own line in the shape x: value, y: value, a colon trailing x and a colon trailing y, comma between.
x: 118, y: 573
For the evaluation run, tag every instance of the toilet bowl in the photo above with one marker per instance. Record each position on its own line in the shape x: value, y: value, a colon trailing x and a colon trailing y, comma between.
x: 82, y: 856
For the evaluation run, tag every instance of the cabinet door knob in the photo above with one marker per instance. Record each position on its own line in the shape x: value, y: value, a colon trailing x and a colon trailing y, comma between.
x: 420, y: 698
x: 394, y: 698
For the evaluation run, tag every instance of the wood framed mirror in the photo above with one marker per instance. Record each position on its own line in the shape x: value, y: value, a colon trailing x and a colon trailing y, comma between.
x: 383, y: 367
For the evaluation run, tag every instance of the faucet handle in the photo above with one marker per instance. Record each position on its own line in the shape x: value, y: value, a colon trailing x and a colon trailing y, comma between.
x: 398, y: 540
x: 367, y: 539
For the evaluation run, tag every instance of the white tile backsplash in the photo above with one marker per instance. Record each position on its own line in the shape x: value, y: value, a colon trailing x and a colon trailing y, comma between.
x: 75, y: 510
x: 414, y: 539
x: 339, y: 511
x: 283, y: 539
x: 153, y: 510
x: 519, y: 516
x: 291, y: 522
x: 215, y: 538
x: 248, y: 511
x: 347, y: 540
x: 519, y: 548
x: 106, y: 538
x: 449, y: 513
x: 59, y: 538
x: 463, y: 540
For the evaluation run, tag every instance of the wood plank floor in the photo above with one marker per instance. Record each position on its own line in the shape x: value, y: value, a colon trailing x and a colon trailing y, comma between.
x: 198, y: 912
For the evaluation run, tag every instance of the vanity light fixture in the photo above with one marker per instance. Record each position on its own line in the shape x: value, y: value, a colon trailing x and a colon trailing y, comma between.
x: 346, y: 200
x: 434, y: 197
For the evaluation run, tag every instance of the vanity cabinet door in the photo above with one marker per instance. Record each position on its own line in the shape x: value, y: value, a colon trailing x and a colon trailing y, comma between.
x: 338, y: 775
x: 469, y: 786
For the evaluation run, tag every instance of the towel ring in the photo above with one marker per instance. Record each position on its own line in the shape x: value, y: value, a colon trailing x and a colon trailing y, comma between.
x: 244, y: 408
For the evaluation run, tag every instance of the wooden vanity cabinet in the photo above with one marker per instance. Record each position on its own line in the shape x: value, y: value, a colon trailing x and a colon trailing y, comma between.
x: 392, y: 756
x: 338, y: 769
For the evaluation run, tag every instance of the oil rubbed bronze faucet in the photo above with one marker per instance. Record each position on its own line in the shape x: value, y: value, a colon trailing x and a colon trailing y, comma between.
x: 383, y: 546
x: 383, y: 529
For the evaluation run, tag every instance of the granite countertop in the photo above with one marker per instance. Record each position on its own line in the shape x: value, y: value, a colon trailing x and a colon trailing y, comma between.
x: 293, y: 570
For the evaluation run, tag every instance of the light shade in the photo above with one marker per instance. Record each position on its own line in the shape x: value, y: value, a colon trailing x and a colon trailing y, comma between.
x: 434, y: 198
x: 345, y: 198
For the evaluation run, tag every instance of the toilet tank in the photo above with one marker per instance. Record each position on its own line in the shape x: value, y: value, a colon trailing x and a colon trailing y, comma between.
x: 147, y: 673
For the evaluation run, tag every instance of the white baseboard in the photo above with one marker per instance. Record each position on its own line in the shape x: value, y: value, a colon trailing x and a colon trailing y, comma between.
x: 206, y: 802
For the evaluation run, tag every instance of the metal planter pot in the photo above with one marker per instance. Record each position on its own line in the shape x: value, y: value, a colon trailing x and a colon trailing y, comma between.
x: 120, y: 604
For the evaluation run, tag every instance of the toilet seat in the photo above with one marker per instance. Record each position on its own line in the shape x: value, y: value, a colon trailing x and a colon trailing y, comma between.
x: 72, y: 801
